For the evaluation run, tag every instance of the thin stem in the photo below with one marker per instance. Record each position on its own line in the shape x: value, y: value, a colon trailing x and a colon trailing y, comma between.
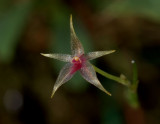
x: 121, y: 79
x: 135, y: 76
x: 131, y: 92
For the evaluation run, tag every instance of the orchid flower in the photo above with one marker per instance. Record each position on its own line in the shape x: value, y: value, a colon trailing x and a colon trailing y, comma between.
x: 78, y: 61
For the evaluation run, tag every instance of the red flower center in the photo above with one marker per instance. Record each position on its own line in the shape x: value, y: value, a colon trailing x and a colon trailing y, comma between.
x: 77, y: 64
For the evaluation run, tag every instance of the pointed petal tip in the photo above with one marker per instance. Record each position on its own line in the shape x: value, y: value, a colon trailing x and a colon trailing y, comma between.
x: 46, y: 55
x: 52, y: 94
x: 42, y: 54
x: 112, y: 51
x: 108, y: 93
x: 71, y: 24
x: 70, y: 16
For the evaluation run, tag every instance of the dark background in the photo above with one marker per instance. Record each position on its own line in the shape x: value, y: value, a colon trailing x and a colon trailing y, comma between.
x: 31, y: 27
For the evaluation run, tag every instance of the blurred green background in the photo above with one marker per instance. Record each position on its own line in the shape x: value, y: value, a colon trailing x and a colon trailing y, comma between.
x: 31, y: 27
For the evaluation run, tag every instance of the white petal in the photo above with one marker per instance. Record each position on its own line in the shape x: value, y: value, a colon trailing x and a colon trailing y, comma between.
x: 89, y: 74
x: 61, y: 57
x: 94, y: 55
x: 76, y: 46
x: 64, y: 75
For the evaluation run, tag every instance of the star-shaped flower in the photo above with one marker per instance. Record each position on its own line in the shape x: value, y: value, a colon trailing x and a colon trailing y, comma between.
x: 78, y: 61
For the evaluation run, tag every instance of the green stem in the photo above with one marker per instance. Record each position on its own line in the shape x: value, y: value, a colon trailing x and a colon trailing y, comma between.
x: 135, y: 76
x: 131, y: 92
x: 122, y: 79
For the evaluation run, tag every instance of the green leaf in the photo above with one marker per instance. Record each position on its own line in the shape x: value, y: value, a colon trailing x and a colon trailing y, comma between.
x: 11, y: 25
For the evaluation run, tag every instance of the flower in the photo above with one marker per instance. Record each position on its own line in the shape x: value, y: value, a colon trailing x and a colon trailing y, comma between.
x: 78, y: 61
